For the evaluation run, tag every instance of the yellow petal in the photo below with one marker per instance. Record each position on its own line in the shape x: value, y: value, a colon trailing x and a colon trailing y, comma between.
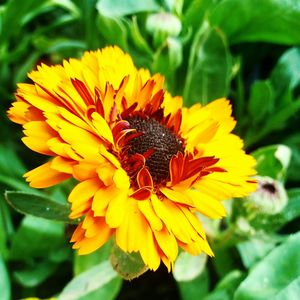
x: 102, y: 127
x: 116, y: 209
x: 44, y: 176
x: 207, y: 205
x: 147, y: 210
x: 83, y: 192
x: 167, y: 243
x: 121, y: 179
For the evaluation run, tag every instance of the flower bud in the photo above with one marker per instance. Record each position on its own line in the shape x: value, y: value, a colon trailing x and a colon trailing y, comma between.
x: 164, y: 24
x: 270, y: 196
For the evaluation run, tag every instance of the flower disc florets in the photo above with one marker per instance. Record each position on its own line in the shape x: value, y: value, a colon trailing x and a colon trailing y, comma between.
x: 159, y: 142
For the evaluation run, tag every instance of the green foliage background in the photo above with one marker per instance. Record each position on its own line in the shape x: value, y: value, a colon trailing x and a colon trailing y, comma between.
x: 245, y: 50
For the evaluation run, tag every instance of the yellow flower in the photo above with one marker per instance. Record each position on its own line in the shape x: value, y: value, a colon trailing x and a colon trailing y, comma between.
x: 145, y: 164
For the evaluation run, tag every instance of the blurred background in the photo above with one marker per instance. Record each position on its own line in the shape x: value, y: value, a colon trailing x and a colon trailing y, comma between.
x: 245, y: 50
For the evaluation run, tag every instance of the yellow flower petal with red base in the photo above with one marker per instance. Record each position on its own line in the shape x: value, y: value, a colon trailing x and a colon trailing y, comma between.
x: 144, y: 163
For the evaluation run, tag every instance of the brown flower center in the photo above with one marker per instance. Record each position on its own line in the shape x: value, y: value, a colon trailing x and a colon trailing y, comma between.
x: 160, y: 141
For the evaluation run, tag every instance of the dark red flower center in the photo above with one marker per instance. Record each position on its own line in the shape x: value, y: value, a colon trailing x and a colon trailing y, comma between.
x: 157, y: 140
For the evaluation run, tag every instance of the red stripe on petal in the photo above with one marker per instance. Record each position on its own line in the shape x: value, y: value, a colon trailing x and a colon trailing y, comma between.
x: 99, y: 103
x: 83, y: 91
x: 141, y: 194
x: 176, y: 168
x: 144, y: 178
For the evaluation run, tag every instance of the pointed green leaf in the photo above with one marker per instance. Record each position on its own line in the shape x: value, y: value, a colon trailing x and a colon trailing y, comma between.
x: 4, y: 282
x: 272, y: 275
x: 273, y: 161
x: 273, y: 21
x: 209, y: 69
x: 85, y: 262
x: 196, y: 288
x: 37, y: 238
x: 261, y: 100
x: 187, y: 267
x: 38, y: 206
x: 118, y: 8
x: 286, y: 75
x: 226, y: 287
x: 99, y: 282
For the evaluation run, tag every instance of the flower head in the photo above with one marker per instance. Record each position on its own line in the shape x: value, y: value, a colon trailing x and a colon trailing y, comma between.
x: 145, y: 165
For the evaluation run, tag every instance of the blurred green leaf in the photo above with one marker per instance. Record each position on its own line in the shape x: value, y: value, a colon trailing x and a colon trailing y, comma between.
x: 274, y: 273
x: 118, y: 8
x: 285, y: 76
x: 273, y: 161
x: 36, y: 237
x: 209, y: 67
x: 261, y: 101
x: 46, y: 45
x: 255, y: 249
x: 291, y: 292
x: 278, y: 120
x: 128, y: 265
x: 225, y: 257
x: 6, y: 227
x: 84, y: 262
x: 105, y: 284
x: 292, y: 210
x: 167, y: 59
x: 294, y: 143
x: 195, y: 13
x: 137, y: 38
x: 39, y: 206
x: 272, y: 21
x: 4, y: 282
x: 34, y: 275
x: 187, y: 267
x: 226, y: 287
x: 113, y: 30
x: 196, y: 288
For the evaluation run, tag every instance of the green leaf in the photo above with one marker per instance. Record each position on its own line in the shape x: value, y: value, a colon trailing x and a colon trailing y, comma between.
x: 113, y: 30
x: 274, y: 273
x: 195, y: 13
x: 85, y: 262
x: 128, y: 265
x: 34, y: 275
x: 4, y: 282
x: 294, y: 143
x: 261, y: 100
x: 118, y: 8
x: 196, y: 288
x: 226, y: 287
x: 278, y: 120
x: 273, y: 161
x: 291, y: 292
x: 255, y: 249
x: 6, y: 227
x: 39, y: 206
x: 167, y: 59
x: 292, y: 209
x: 274, y: 21
x: 36, y: 237
x: 286, y: 75
x: 187, y: 267
x: 99, y: 282
x: 209, y: 67
x: 137, y: 38
x: 46, y: 45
